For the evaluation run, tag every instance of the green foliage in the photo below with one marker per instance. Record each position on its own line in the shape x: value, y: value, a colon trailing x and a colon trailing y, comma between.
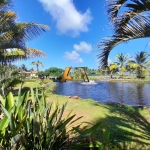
x: 10, y: 76
x: 140, y: 63
x: 40, y: 73
x: 14, y: 35
x: 37, y: 64
x: 113, y: 68
x: 30, y: 122
x: 53, y: 71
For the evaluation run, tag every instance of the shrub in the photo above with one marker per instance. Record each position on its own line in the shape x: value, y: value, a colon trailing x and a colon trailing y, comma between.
x: 30, y: 122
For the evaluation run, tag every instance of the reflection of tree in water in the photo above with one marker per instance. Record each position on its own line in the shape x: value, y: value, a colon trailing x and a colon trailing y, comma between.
x: 116, y: 91
x: 122, y: 92
x: 140, y: 89
x: 127, y: 92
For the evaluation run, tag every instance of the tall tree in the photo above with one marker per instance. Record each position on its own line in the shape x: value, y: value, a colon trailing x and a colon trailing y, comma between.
x: 140, y: 62
x: 38, y: 63
x: 121, y: 61
x: 133, y: 23
x: 113, y: 68
x: 23, y: 67
x: 15, y: 34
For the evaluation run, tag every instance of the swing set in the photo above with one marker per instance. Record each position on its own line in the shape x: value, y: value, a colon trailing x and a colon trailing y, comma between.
x: 66, y: 75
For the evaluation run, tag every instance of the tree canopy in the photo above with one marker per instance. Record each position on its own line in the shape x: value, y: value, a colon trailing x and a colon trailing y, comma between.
x: 14, y: 35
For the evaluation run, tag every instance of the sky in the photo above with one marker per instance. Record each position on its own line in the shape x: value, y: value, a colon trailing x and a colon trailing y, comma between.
x: 76, y: 27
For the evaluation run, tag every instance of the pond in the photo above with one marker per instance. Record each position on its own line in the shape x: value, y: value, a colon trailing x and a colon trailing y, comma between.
x: 120, y: 92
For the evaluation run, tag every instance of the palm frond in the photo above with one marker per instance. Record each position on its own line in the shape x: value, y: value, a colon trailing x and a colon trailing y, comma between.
x: 15, y: 35
x: 32, y: 52
x: 5, y: 4
x: 113, y: 8
x: 18, y: 54
x: 29, y: 31
x: 138, y: 27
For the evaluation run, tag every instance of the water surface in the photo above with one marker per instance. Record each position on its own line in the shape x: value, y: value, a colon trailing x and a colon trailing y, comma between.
x: 128, y: 93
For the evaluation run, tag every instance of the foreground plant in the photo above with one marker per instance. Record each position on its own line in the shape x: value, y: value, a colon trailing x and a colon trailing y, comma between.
x: 30, y: 122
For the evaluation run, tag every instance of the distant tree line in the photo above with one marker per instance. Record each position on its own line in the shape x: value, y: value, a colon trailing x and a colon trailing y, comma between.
x: 52, y: 72
x: 139, y: 65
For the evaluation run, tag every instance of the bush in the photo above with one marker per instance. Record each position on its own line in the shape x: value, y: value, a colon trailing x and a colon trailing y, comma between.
x: 30, y: 122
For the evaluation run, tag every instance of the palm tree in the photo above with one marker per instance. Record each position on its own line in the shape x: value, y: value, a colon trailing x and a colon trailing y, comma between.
x: 122, y: 60
x: 113, y: 68
x: 131, y: 24
x: 140, y: 63
x: 38, y: 63
x: 14, y: 34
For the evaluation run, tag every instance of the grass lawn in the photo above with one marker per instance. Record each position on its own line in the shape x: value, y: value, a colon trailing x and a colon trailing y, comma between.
x: 125, y: 123
x: 117, y: 78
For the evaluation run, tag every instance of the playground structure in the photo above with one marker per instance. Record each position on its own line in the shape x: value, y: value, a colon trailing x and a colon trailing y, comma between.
x: 66, y: 75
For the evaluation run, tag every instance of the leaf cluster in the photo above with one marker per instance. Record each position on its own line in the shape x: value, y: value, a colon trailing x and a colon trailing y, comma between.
x: 29, y: 122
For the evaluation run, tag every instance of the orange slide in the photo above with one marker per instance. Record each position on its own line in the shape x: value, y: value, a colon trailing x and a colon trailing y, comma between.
x: 65, y: 75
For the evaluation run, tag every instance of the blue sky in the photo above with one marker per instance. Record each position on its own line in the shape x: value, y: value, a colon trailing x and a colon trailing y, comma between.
x: 76, y: 27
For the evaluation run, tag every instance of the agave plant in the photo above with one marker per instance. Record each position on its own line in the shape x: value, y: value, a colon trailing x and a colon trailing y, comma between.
x: 30, y: 122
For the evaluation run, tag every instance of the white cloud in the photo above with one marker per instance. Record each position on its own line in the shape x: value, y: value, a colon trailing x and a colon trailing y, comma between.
x: 68, y: 19
x: 83, y: 46
x: 73, y: 56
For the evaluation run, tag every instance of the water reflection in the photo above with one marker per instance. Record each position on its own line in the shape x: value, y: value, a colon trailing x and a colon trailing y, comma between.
x: 128, y: 93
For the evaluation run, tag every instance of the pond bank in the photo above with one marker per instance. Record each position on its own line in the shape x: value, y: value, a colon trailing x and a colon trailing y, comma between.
x: 119, y: 79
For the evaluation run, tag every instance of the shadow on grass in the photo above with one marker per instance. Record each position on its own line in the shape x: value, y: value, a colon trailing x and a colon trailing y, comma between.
x: 127, y: 125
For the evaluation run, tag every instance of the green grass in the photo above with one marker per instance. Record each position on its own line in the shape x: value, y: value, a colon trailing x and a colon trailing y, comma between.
x: 117, y: 78
x: 125, y: 123
x: 49, y: 85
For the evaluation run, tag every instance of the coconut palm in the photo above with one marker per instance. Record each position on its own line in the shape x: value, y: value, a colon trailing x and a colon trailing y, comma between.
x: 121, y: 61
x: 38, y: 63
x: 133, y: 23
x: 140, y: 62
x: 113, y: 68
x: 14, y: 34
